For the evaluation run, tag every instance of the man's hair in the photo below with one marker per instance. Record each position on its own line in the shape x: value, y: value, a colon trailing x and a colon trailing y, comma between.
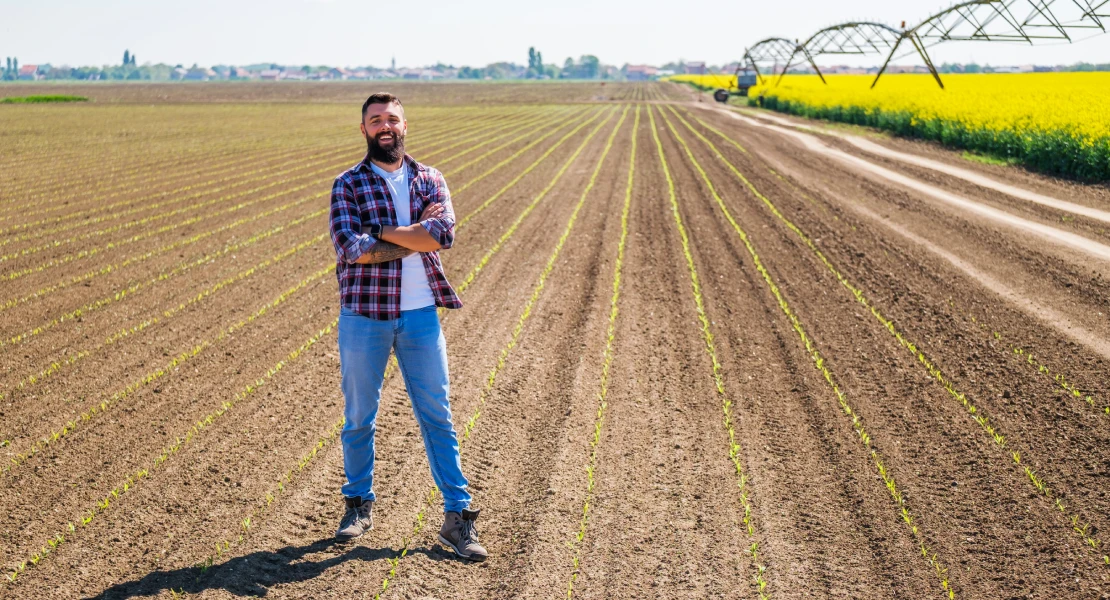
x: 380, y: 98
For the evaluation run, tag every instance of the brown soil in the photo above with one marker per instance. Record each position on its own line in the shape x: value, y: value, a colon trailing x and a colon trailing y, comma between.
x: 665, y: 517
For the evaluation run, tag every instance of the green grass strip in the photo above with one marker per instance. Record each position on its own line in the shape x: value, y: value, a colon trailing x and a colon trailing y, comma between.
x: 42, y: 99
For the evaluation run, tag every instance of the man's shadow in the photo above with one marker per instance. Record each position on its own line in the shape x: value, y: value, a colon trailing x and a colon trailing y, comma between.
x: 255, y: 573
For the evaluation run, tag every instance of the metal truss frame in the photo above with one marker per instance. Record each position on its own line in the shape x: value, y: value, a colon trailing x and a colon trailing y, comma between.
x: 773, y: 50
x: 1026, y: 21
x: 855, y: 37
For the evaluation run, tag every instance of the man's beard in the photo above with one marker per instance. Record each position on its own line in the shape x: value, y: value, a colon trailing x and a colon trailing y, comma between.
x: 387, y: 155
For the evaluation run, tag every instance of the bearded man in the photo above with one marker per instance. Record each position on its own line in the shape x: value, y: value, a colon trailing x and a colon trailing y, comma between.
x: 390, y: 215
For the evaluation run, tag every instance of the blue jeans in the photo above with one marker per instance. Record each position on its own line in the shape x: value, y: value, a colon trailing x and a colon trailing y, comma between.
x: 421, y: 349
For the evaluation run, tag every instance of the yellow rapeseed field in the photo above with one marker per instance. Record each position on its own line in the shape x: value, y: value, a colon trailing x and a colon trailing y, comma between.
x: 1054, y: 122
x: 711, y: 81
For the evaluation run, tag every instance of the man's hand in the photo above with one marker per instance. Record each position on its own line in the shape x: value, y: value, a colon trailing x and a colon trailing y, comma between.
x: 414, y: 237
x: 431, y: 211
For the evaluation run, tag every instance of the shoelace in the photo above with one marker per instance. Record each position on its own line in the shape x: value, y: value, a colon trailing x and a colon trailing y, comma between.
x: 469, y: 533
x: 362, y: 511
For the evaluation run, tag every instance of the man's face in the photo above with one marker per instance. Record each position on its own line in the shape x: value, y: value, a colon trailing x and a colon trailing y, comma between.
x: 384, y: 127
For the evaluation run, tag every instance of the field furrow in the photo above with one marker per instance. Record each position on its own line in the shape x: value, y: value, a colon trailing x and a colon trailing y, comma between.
x: 706, y: 351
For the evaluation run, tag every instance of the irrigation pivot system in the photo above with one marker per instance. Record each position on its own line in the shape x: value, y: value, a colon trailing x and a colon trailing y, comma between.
x: 1023, y: 21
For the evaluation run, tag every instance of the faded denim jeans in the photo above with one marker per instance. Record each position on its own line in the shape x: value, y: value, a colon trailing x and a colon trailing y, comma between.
x: 421, y: 349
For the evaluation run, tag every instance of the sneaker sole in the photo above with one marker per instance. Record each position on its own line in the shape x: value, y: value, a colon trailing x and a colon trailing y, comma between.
x: 339, y: 537
x: 347, y: 538
x: 472, y: 557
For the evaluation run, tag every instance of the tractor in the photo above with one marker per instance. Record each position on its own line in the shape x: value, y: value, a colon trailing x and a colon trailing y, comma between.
x: 745, y: 79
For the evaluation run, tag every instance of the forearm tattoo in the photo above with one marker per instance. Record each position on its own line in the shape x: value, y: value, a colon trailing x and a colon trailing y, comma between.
x: 383, y: 251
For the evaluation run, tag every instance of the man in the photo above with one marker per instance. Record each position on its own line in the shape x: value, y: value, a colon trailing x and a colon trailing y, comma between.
x: 390, y: 283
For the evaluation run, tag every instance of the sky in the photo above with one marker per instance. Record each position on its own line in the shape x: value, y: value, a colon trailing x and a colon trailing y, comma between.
x: 475, y: 33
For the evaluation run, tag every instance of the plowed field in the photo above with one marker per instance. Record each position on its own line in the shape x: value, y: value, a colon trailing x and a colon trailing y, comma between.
x: 706, y: 352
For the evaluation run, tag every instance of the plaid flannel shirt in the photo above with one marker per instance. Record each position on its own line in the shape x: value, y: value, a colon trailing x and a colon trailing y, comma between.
x: 361, y: 197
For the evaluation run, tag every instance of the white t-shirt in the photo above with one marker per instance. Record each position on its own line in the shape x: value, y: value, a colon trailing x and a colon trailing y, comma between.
x: 415, y: 291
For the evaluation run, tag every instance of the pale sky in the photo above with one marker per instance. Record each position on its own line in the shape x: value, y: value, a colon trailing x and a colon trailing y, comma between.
x: 475, y: 33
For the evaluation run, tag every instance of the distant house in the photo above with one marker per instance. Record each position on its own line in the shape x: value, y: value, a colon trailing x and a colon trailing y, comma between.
x: 640, y: 72
x: 199, y: 74
x: 270, y: 75
x: 241, y: 73
x: 695, y: 68
x: 1017, y: 69
x: 294, y: 74
x: 410, y: 74
x: 29, y: 72
x: 359, y: 74
x: 899, y: 69
x: 337, y: 73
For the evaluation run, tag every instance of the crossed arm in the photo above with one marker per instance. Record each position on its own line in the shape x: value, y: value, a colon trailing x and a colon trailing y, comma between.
x: 433, y: 230
x: 399, y: 242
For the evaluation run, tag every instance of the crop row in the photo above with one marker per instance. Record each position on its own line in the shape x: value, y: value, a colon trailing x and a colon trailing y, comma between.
x: 251, y: 520
x: 123, y: 168
x: 94, y: 251
x: 107, y: 144
x: 89, y: 188
x: 247, y: 522
x: 718, y: 379
x: 74, y: 356
x: 535, y: 163
x: 265, y: 174
x: 606, y: 364
x: 820, y: 364
x: 142, y: 224
x: 1025, y: 356
x: 469, y: 152
x: 1075, y: 522
x: 239, y: 177
x: 188, y: 355
x: 152, y: 253
x: 94, y: 411
x: 1030, y: 359
x: 532, y: 124
x: 423, y: 137
x: 180, y: 441
x: 98, y: 178
x: 514, y: 337
x: 531, y: 206
x: 161, y: 277
x: 46, y: 441
x: 49, y: 224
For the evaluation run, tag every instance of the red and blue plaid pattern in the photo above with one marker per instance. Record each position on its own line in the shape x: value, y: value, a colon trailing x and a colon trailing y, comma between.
x: 360, y: 197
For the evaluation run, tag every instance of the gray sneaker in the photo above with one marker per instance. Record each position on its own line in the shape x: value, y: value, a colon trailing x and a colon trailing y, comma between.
x: 459, y: 534
x: 357, y: 520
